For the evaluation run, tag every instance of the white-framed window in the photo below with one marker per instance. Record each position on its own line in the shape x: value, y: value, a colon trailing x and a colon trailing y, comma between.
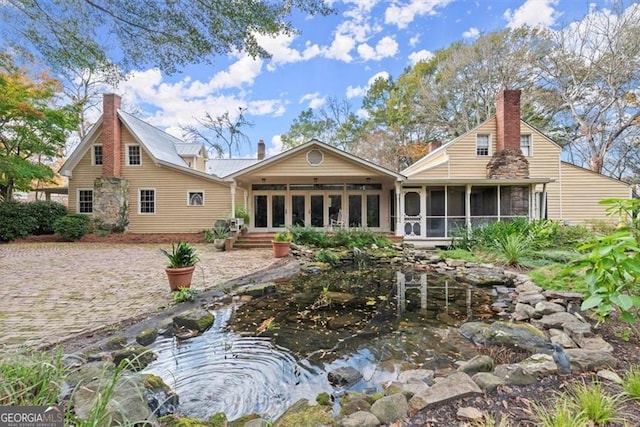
x: 315, y: 157
x: 96, y: 155
x: 195, y: 198
x: 85, y: 201
x: 482, y: 145
x: 525, y: 145
x: 147, y: 201
x: 134, y: 155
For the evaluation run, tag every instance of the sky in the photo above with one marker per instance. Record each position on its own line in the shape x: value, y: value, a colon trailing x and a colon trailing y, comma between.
x: 337, y: 56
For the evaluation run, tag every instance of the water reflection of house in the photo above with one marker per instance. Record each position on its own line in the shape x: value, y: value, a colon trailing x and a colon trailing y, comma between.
x: 127, y: 171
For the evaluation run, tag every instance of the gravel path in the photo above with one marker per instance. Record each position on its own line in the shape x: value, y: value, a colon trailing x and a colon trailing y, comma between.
x: 53, y: 291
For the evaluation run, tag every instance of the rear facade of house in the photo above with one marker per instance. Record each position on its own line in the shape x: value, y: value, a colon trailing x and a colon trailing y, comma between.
x: 131, y: 176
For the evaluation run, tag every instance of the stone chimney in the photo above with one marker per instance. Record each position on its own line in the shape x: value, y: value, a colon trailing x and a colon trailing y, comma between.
x: 508, y: 162
x: 261, y: 150
x: 508, y: 120
x: 111, y: 144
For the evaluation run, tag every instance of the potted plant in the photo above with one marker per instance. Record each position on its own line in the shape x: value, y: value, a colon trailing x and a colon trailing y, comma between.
x: 220, y: 234
x: 281, y: 244
x: 182, y: 262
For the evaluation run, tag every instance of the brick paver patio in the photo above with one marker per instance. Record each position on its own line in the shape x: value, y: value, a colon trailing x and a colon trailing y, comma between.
x: 53, y: 291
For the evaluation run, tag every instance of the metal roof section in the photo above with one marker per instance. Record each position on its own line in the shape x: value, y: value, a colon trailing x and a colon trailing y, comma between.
x: 226, y: 167
x: 189, y: 148
x: 160, y: 145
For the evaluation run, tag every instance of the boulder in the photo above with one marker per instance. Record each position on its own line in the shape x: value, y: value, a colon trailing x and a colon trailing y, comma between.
x: 147, y: 336
x: 360, y: 419
x: 137, y: 357
x: 344, y: 377
x: 350, y: 406
x: 516, y: 335
x: 126, y: 405
x: 590, y: 360
x: 302, y: 413
x: 480, y: 363
x: 258, y: 290
x: 474, y: 332
x: 557, y: 320
x: 454, y: 386
x: 196, y: 320
x: 540, y: 365
x: 390, y: 409
x: 514, y: 374
x: 487, y: 276
x: 417, y: 376
x: 545, y: 307
x: 469, y: 413
x: 487, y: 381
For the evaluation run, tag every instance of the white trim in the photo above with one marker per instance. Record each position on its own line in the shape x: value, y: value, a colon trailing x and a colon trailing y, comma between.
x: 530, y: 154
x: 155, y: 201
x: 93, y: 154
x: 126, y: 153
x: 189, y: 192
x: 489, y: 141
x: 321, y: 157
x: 78, y: 200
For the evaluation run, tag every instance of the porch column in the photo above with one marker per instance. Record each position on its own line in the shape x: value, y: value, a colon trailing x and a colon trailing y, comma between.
x: 543, y: 204
x: 233, y: 200
x: 467, y: 208
x: 399, y: 209
x: 532, y: 191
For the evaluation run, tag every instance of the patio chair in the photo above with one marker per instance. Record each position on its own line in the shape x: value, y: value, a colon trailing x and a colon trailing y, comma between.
x: 338, y: 221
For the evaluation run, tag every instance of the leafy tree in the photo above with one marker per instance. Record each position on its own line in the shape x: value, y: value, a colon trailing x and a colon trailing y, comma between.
x: 166, y: 34
x: 32, y: 130
x: 334, y: 124
x: 223, y: 131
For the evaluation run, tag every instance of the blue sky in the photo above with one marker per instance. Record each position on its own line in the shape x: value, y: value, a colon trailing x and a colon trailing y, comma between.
x: 336, y: 56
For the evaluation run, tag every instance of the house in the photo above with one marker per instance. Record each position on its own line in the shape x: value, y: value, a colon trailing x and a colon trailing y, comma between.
x: 502, y: 169
x: 131, y: 175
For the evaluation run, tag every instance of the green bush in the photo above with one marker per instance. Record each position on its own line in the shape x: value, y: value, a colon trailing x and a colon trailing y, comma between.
x: 309, y: 236
x: 15, y: 221
x: 72, y: 227
x: 45, y: 212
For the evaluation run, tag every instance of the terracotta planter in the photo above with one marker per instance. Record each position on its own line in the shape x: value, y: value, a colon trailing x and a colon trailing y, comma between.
x: 228, y: 243
x: 179, y: 277
x: 280, y: 249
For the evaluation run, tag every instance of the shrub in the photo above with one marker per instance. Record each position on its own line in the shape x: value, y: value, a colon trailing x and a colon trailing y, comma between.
x: 45, y: 212
x: 31, y: 379
x: 327, y: 256
x: 309, y: 236
x: 15, y: 221
x: 512, y: 247
x: 72, y: 226
x: 631, y: 383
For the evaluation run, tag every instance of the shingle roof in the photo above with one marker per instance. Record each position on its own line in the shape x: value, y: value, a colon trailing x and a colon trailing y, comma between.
x: 224, y: 167
x: 161, y: 145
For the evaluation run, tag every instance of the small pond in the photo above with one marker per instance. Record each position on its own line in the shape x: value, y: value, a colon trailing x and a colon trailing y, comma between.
x: 263, y: 354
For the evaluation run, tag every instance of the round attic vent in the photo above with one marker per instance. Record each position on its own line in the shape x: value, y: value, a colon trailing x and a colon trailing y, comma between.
x: 315, y: 157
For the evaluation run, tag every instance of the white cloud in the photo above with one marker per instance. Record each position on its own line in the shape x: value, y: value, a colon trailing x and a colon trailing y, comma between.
x: 534, y: 13
x: 471, y: 33
x: 275, y: 147
x: 386, y: 47
x: 356, y: 91
x: 282, y: 53
x: 421, y: 55
x: 340, y: 48
x: 413, y: 41
x: 402, y: 15
x: 314, y: 99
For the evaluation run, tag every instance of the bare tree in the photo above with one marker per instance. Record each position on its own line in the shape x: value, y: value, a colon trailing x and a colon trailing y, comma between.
x: 222, y: 132
x: 593, y: 67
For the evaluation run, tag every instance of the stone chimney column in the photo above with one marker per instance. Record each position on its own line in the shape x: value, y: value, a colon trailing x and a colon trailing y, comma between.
x: 261, y: 149
x: 111, y: 141
x: 508, y: 120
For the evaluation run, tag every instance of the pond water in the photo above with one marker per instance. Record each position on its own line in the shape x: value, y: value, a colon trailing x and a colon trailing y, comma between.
x: 264, y: 354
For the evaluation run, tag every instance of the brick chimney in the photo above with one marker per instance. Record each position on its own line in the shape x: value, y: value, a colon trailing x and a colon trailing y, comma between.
x: 111, y: 143
x: 261, y: 150
x: 508, y: 120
